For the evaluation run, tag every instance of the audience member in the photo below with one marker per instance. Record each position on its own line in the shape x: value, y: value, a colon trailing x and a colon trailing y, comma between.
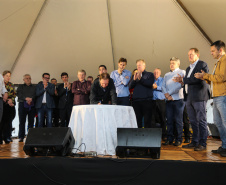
x: 131, y: 90
x: 65, y: 100
x: 55, y: 114
x: 159, y: 104
x: 142, y: 82
x: 3, y: 98
x: 81, y: 89
x: 90, y: 78
x: 44, y: 100
x: 174, y: 102
x: 186, y: 126
x: 9, y: 111
x: 102, y: 92
x: 196, y: 94
x: 26, y: 99
x: 218, y: 88
x: 121, y: 78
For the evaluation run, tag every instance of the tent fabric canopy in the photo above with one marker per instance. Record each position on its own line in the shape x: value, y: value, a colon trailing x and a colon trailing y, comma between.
x: 58, y: 36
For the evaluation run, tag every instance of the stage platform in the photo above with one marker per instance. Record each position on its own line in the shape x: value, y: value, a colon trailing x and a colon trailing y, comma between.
x: 176, y: 166
x: 15, y: 150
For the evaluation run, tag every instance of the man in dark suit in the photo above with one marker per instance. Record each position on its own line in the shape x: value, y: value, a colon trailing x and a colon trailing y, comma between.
x: 102, y: 91
x: 142, y: 82
x: 65, y: 100
x: 196, y: 94
x: 55, y: 114
x: 44, y: 100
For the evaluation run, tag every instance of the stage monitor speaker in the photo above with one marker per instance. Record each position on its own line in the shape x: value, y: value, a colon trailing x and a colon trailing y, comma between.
x: 139, y: 142
x: 49, y: 142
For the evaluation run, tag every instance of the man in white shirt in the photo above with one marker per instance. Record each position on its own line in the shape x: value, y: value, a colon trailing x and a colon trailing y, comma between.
x: 196, y: 94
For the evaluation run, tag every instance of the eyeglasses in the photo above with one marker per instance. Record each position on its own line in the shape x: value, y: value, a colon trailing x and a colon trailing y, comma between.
x: 47, y: 78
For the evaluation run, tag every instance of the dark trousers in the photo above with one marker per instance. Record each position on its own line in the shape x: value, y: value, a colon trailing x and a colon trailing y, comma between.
x: 143, y: 109
x: 65, y: 115
x: 123, y: 101
x: 174, y: 115
x: 159, y: 114
x: 197, y: 116
x: 23, y: 114
x: 186, y: 124
x: 1, y: 109
x: 44, y: 110
x: 6, y: 123
x: 56, y: 117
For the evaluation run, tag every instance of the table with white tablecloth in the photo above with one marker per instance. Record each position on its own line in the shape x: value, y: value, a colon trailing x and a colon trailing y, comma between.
x: 96, y: 126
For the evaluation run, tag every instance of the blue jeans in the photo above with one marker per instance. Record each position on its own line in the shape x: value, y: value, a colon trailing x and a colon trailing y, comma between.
x: 197, y: 116
x: 44, y: 110
x: 219, y: 116
x: 174, y: 115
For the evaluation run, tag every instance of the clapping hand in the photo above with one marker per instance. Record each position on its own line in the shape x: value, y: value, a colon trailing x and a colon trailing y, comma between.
x: 45, y: 83
x: 178, y: 78
x: 69, y: 86
x: 199, y: 75
x: 155, y: 86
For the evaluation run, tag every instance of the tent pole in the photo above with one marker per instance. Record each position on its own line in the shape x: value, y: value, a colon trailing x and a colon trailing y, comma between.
x: 110, y: 30
x: 28, y: 36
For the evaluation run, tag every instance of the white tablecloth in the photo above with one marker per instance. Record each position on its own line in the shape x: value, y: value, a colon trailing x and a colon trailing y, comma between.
x: 96, y: 126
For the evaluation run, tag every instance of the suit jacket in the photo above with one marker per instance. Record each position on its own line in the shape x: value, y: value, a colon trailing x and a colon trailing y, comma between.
x: 142, y: 88
x: 50, y: 91
x: 198, y: 90
x: 64, y: 98
x: 97, y: 94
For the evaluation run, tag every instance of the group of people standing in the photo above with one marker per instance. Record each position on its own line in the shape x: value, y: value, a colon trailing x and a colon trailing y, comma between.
x: 148, y: 93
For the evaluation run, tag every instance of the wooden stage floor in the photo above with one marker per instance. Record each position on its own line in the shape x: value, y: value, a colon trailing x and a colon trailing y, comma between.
x: 15, y: 150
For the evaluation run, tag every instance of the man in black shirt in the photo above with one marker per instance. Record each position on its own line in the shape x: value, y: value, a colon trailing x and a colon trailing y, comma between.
x: 26, y: 99
x: 65, y: 100
x: 142, y: 82
x: 102, y: 91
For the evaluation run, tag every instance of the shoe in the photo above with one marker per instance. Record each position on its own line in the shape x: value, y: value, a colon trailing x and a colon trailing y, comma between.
x: 21, y: 140
x: 177, y: 143
x: 168, y: 143
x: 187, y: 140
x: 218, y: 150
x: 199, y: 148
x: 164, y: 138
x: 190, y: 145
x: 7, y: 141
x: 223, y: 152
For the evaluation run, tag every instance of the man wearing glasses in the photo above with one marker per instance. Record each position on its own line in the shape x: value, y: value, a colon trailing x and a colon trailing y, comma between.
x: 44, y: 100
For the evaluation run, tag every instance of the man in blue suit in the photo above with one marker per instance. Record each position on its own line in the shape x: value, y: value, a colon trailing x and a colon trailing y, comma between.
x: 196, y: 94
x: 44, y: 100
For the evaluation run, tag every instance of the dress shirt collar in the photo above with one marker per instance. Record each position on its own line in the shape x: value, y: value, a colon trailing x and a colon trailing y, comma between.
x: 122, y: 71
x: 175, y: 70
x: 194, y: 64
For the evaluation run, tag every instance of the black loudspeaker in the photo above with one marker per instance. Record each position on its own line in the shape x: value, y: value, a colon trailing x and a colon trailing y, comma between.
x: 49, y: 142
x: 139, y: 142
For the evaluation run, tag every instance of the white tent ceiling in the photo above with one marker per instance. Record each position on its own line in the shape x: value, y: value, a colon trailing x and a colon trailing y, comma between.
x: 67, y: 35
